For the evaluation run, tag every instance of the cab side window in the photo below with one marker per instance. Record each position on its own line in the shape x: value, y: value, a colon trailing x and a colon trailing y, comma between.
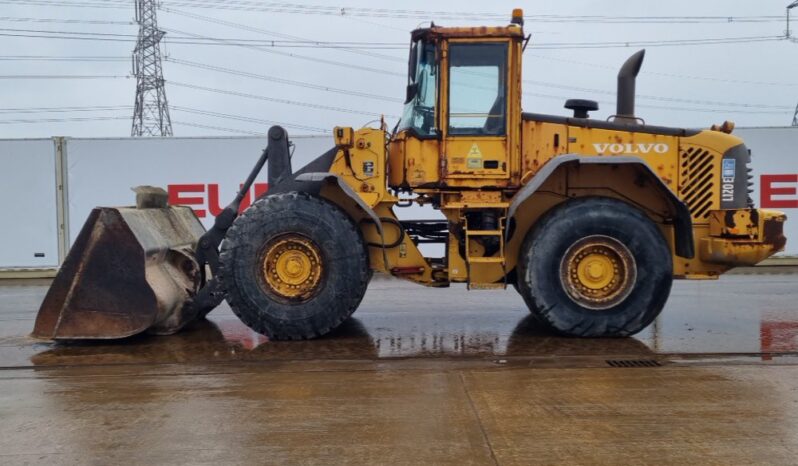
x: 477, y: 89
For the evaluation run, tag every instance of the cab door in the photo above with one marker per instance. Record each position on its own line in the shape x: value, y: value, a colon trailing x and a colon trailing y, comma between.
x: 475, y: 110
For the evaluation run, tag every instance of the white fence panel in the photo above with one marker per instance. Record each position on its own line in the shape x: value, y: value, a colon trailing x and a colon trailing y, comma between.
x: 28, y: 202
x: 204, y: 173
x: 774, y: 155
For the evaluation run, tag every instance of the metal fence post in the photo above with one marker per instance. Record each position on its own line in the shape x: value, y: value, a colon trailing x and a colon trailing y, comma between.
x: 62, y: 197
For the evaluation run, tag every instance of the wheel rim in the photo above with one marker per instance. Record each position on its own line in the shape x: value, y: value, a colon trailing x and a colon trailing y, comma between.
x: 292, y: 267
x: 598, y: 272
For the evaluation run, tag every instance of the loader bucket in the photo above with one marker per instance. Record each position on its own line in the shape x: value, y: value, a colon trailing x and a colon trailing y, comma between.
x: 130, y: 270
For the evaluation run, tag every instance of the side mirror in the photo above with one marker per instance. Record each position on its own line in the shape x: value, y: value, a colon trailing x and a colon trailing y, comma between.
x: 412, y: 90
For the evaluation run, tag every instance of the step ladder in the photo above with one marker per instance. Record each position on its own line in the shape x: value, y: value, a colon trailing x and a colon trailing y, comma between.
x: 477, y: 264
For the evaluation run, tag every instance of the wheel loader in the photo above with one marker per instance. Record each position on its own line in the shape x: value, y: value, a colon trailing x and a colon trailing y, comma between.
x: 589, y: 220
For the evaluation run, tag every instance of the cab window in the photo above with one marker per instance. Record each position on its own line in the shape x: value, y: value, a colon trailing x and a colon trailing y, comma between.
x: 419, y: 111
x: 477, y: 89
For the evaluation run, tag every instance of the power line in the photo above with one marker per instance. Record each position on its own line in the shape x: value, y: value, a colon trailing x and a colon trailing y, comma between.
x: 217, y: 128
x: 385, y: 98
x: 289, y: 82
x: 109, y: 108
x: 61, y: 76
x: 668, y: 75
x: 329, y: 10
x: 282, y: 7
x: 662, y: 107
x: 659, y: 98
x: 62, y: 58
x: 654, y: 43
x: 248, y: 119
x: 65, y: 109
x: 47, y: 3
x: 348, y: 65
x: 244, y: 27
x: 422, y: 14
x: 278, y: 100
x: 339, y: 109
x: 295, y: 42
x: 65, y: 21
x: 289, y: 8
x: 61, y: 120
x: 81, y: 33
x: 197, y: 39
x: 66, y: 37
x: 401, y: 74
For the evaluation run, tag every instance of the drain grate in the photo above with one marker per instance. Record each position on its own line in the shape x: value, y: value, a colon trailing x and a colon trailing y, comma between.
x: 633, y: 363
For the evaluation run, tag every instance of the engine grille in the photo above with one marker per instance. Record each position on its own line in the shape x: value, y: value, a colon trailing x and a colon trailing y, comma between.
x: 697, y: 180
x: 749, y: 172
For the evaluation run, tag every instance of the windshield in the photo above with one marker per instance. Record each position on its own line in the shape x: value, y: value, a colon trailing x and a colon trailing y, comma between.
x: 419, y: 111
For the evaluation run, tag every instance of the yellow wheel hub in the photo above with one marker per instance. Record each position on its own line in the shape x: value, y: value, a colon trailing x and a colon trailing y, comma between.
x: 292, y: 267
x: 598, y: 272
x: 595, y: 271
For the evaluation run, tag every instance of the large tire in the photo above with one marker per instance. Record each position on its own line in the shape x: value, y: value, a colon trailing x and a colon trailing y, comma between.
x: 320, y: 256
x: 595, y: 267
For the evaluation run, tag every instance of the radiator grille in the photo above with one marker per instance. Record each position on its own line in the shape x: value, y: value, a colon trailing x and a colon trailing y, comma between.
x: 698, y: 178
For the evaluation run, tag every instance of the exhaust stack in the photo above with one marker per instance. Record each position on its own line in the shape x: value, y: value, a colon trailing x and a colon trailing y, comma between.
x: 625, y: 111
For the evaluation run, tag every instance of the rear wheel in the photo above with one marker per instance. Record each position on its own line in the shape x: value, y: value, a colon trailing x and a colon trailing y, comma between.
x: 595, y: 267
x: 293, y: 266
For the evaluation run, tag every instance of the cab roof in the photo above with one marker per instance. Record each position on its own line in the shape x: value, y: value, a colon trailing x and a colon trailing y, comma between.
x: 433, y: 32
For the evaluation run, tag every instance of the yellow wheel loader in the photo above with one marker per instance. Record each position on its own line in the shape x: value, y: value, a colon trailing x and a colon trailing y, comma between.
x: 590, y: 220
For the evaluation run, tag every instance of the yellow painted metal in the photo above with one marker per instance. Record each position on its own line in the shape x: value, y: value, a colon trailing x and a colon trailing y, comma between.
x: 464, y: 153
x: 743, y: 237
x: 739, y: 223
x: 485, y: 269
x: 363, y: 167
x: 660, y: 152
x: 595, y: 271
x: 344, y: 136
x: 463, y: 156
x: 541, y: 143
x: 292, y: 267
x: 436, y: 168
x: 733, y: 252
x: 362, y: 164
x: 414, y: 162
x: 598, y: 272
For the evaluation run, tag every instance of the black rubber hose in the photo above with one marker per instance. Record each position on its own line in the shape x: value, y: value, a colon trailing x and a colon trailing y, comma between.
x: 392, y: 221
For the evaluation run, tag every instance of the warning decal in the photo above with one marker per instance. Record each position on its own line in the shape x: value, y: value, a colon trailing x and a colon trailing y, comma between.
x: 474, y: 157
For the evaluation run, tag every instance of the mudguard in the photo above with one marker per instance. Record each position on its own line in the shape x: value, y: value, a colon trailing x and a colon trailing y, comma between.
x: 683, y: 223
x: 315, y: 181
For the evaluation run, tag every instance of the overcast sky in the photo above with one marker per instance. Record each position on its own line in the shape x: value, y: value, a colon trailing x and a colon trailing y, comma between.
x: 694, y: 86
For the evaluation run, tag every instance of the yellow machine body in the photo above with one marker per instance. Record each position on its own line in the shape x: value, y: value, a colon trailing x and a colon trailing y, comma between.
x: 497, y: 174
x: 656, y: 168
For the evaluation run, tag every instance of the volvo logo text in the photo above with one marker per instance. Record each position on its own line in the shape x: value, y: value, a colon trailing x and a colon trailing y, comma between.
x: 642, y: 148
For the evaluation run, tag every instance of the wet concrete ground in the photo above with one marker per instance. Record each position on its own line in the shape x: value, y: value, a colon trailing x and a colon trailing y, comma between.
x: 418, y: 376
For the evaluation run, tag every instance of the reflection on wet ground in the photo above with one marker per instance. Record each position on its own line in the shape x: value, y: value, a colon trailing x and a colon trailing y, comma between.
x: 419, y: 376
x: 736, y: 315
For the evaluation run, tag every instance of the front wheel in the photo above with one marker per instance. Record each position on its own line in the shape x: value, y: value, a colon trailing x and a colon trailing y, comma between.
x: 293, y: 266
x: 595, y: 267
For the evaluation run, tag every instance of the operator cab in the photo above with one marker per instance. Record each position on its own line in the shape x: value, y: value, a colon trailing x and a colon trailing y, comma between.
x: 462, y: 107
